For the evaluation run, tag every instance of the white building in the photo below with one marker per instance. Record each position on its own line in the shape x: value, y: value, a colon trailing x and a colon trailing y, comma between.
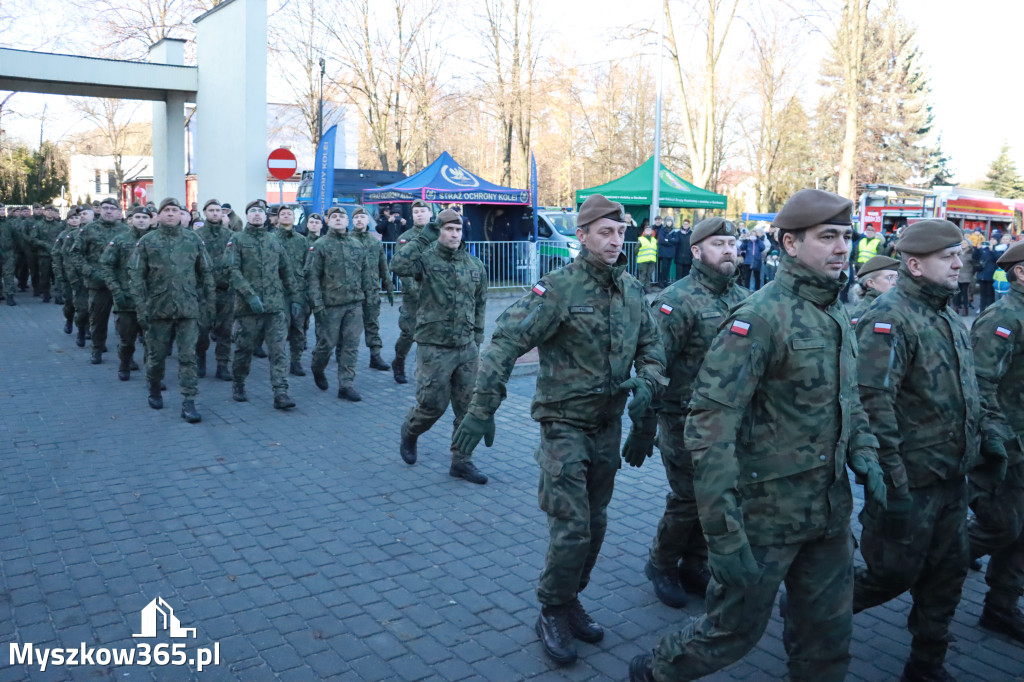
x: 94, y: 177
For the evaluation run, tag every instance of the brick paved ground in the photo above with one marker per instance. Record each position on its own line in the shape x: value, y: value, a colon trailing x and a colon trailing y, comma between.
x: 304, y: 546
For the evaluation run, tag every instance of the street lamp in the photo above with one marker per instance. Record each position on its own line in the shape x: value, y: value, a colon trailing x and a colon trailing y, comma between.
x: 320, y: 110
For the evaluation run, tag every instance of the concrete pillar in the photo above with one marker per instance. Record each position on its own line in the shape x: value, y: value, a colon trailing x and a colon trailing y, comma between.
x: 169, y: 128
x: 231, y: 103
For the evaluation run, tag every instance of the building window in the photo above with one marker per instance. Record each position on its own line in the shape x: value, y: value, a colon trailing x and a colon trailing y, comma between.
x: 97, y: 190
x: 111, y: 183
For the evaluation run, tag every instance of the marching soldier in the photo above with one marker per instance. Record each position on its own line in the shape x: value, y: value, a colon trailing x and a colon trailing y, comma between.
x: 114, y: 267
x: 62, y: 270
x: 591, y: 323
x: 874, y: 277
x: 371, y: 304
x: 407, y: 312
x: 8, y: 256
x: 296, y: 246
x: 42, y: 236
x: 688, y: 314
x: 85, y: 258
x: 216, y: 234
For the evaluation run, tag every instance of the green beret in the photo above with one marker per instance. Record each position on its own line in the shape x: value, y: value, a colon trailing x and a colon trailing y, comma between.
x: 256, y: 203
x: 273, y: 210
x: 929, y: 236
x: 211, y: 202
x: 596, y: 207
x: 315, y: 216
x: 336, y: 209
x: 709, y: 227
x: 359, y: 211
x: 876, y: 263
x: 139, y: 209
x: 419, y: 203
x: 109, y: 201
x: 169, y: 201
x: 812, y: 207
x: 1012, y: 256
x: 448, y: 216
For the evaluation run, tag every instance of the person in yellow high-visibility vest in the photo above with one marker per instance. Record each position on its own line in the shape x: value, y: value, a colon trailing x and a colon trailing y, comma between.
x: 867, y: 245
x: 646, y: 257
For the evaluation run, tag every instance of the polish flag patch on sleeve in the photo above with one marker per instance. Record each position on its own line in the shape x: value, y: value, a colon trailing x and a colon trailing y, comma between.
x: 539, y: 289
x: 854, y: 320
x: 1003, y: 332
x: 666, y: 308
x: 740, y: 327
x: 883, y: 328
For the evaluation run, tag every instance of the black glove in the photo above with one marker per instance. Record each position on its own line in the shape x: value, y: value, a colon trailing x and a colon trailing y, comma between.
x: 993, y: 452
x: 637, y: 449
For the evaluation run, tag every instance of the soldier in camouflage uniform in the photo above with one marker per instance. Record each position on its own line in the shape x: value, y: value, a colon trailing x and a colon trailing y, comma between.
x: 591, y: 323
x: 114, y: 266
x: 172, y: 287
x: 407, y: 312
x: 19, y: 224
x: 371, y: 305
x: 61, y: 270
x: 8, y: 254
x: 314, y: 224
x: 76, y: 280
x: 85, y: 258
x: 918, y: 386
x: 775, y: 419
x: 688, y: 314
x: 30, y: 257
x: 263, y: 283
x: 875, y: 276
x: 297, y: 247
x: 339, y: 279
x: 452, y: 300
x: 42, y: 236
x: 216, y: 234
x: 997, y: 527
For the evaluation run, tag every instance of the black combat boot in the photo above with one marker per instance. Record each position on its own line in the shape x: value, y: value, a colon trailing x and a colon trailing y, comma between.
x: 641, y: 668
x: 124, y: 372
x: 97, y: 357
x: 222, y: 372
x: 320, y: 379
x: 408, y: 447
x: 238, y: 392
x: 10, y: 298
x: 377, y: 362
x: 666, y: 585
x: 68, y: 328
x: 80, y: 341
x: 296, y: 369
x: 283, y: 402
x: 58, y: 299
x: 348, y: 393
x: 581, y: 625
x: 694, y: 576
x: 556, y: 638
x: 189, y: 413
x: 259, y: 352
x: 468, y: 471
x: 156, y: 401
x: 201, y: 365
x: 398, y: 369
x: 1005, y: 619
x: 46, y: 298
x: 918, y: 671
x: 134, y: 366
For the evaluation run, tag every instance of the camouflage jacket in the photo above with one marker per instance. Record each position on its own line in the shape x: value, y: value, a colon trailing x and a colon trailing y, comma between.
x: 259, y: 267
x: 216, y: 237
x: 375, y: 254
x: 999, y: 365
x: 917, y: 383
x: 409, y: 286
x: 689, y: 314
x: 87, y: 248
x: 452, y: 293
x: 114, y: 266
x: 337, y: 271
x: 591, y: 323
x: 171, y: 275
x: 775, y: 414
x: 297, y: 248
x: 63, y: 273
x: 865, y: 302
x: 44, y: 233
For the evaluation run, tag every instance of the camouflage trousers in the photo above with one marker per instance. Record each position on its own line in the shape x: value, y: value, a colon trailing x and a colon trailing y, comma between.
x: 819, y: 622
x: 45, y: 272
x: 371, y: 324
x: 406, y: 327
x: 930, y: 560
x: 577, y: 476
x: 160, y: 334
x: 297, y: 326
x: 80, y: 296
x: 338, y: 329
x: 128, y: 330
x: 101, y: 302
x: 272, y: 327
x: 443, y: 375
x: 645, y: 272
x: 8, y: 280
x: 680, y: 536
x: 997, y: 529
x: 223, y: 318
x: 64, y: 289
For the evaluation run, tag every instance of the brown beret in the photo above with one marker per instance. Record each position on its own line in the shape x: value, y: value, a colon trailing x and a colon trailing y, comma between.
x: 448, y: 216
x: 1012, y: 256
x: 256, y: 203
x: 358, y: 211
x: 876, y: 263
x: 709, y: 227
x: 419, y: 203
x: 929, y: 236
x: 211, y: 202
x: 596, y: 207
x: 110, y: 201
x: 812, y: 207
x: 72, y: 212
x: 169, y: 201
x: 336, y: 209
x: 273, y: 210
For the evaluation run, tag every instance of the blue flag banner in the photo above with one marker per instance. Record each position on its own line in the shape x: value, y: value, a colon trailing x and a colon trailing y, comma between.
x: 533, y: 192
x: 323, y: 172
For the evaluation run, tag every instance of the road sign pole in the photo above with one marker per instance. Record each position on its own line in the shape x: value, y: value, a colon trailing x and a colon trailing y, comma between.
x: 280, y: 191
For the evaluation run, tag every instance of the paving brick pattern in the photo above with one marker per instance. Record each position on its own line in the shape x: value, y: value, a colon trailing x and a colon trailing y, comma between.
x: 305, y: 547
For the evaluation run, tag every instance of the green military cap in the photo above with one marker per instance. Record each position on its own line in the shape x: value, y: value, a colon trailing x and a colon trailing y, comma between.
x: 709, y: 227
x: 211, y: 202
x: 72, y: 212
x: 37, y: 205
x: 419, y: 203
x: 336, y: 209
x: 876, y: 263
x: 110, y: 201
x: 448, y: 216
x: 929, y: 236
x: 169, y: 201
x: 256, y: 203
x: 139, y: 209
x: 812, y: 207
x: 596, y: 207
x: 315, y: 216
x: 1012, y: 256
x: 359, y: 211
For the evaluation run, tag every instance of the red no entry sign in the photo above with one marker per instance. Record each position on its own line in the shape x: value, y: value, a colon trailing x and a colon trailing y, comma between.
x: 282, y: 164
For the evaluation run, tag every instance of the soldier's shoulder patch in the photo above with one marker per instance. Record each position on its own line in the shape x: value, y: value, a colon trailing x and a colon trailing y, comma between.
x: 229, y: 244
x: 740, y: 328
x: 883, y: 328
x: 1003, y: 332
x: 666, y: 308
x: 539, y: 289
x: 310, y: 248
x: 853, y: 320
x: 111, y: 243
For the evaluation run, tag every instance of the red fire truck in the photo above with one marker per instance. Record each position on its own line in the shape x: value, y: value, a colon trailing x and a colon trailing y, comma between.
x: 889, y: 207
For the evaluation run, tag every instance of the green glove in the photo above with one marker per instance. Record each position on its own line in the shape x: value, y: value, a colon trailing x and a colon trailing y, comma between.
x: 736, y: 570
x: 391, y: 298
x: 993, y: 451
x: 470, y: 431
x: 637, y: 449
x: 256, y: 305
x: 870, y: 474
x: 641, y: 397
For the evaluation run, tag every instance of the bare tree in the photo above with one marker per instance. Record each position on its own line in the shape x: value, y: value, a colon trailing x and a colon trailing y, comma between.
x: 127, y: 28
x: 848, y: 47
x: 113, y: 121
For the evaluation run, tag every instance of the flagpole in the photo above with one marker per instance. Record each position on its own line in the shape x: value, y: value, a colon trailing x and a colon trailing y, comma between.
x: 656, y: 189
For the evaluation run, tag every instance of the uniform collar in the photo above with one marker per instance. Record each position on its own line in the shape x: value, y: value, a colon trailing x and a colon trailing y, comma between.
x: 256, y: 230
x: 337, y: 234
x: 933, y: 295
x: 170, y: 230
x: 808, y: 283
x: 1017, y: 286
x: 600, y: 271
x: 711, y: 279
x: 139, y: 234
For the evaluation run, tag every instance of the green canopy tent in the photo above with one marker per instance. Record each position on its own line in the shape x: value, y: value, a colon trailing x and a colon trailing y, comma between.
x: 634, y: 190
